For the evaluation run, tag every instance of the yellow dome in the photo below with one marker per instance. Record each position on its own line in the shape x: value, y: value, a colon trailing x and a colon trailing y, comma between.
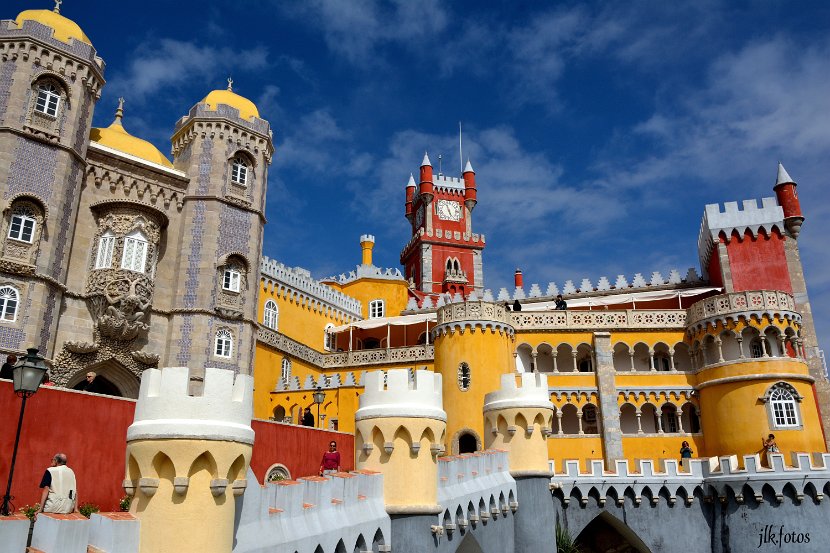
x: 247, y: 108
x: 64, y: 28
x: 117, y: 138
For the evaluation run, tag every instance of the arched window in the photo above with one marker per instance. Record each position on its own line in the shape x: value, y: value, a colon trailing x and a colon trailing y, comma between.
x: 134, y: 257
x: 23, y: 224
x: 782, y: 400
x: 329, y: 338
x: 239, y: 171
x: 449, y: 264
x: 661, y: 361
x: 9, y: 300
x: 270, y: 314
x: 48, y: 99
x: 224, y: 343
x: 456, y: 266
x: 106, y: 245
x: 464, y: 377
x: 285, y: 371
x: 377, y: 309
x: 757, y: 349
x: 231, y: 278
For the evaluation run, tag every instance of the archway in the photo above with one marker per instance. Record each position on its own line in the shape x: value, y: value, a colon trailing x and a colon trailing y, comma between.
x: 467, y: 443
x: 608, y: 533
x: 102, y: 386
x: 112, y: 379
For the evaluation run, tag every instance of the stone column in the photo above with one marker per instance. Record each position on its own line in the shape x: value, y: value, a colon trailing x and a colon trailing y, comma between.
x: 608, y: 406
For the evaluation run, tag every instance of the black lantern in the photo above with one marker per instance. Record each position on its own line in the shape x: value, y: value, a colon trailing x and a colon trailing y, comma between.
x: 28, y: 374
x: 319, y: 397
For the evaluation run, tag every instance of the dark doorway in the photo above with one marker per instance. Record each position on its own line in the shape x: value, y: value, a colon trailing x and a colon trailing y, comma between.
x: 101, y: 386
x: 605, y: 533
x: 467, y: 444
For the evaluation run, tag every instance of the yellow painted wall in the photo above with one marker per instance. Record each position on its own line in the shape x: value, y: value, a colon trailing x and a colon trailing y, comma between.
x: 299, y: 322
x: 561, y: 448
x: 393, y: 292
x: 489, y: 355
x: 661, y: 447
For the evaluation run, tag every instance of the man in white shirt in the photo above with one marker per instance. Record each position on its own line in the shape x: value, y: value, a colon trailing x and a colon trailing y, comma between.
x: 60, y: 493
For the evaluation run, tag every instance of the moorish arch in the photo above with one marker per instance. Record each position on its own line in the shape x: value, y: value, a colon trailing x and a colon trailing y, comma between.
x: 608, y: 533
x: 112, y: 378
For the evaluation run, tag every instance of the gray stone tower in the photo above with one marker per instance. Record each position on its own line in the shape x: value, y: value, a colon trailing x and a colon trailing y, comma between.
x: 50, y: 80
x: 225, y: 148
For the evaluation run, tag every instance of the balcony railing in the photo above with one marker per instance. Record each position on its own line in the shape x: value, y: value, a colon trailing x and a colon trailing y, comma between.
x: 740, y: 302
x: 599, y: 320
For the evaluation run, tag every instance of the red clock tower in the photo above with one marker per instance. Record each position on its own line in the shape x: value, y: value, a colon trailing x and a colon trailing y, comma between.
x: 443, y: 255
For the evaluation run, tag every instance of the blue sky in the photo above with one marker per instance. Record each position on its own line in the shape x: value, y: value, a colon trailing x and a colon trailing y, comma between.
x: 598, y: 131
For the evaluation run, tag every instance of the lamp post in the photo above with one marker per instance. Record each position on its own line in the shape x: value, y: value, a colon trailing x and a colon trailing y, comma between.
x: 319, y: 397
x: 27, y: 376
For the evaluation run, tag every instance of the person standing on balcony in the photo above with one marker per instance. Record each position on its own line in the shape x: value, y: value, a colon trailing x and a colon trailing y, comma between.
x: 308, y: 418
x: 8, y: 366
x: 561, y: 304
x: 331, y: 460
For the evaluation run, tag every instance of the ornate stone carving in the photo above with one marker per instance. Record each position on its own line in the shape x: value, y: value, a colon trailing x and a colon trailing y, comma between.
x: 145, y: 358
x: 80, y: 347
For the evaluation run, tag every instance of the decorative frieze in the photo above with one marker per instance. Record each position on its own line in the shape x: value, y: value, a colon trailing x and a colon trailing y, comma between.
x: 752, y: 302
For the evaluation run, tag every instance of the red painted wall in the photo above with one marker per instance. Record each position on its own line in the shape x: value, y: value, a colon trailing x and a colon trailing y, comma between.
x: 299, y: 448
x: 715, y: 276
x: 92, y: 429
x: 759, y: 263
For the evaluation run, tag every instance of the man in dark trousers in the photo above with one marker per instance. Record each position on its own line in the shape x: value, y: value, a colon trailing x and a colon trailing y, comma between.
x: 8, y: 366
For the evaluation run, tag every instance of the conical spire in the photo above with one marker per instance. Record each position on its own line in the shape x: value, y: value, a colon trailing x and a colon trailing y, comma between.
x: 411, y: 183
x: 469, y: 167
x: 426, y: 162
x: 783, y: 176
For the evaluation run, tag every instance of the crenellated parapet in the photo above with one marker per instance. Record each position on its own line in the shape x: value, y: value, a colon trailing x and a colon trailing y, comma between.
x: 714, y: 478
x: 472, y: 315
x: 475, y: 489
x: 519, y: 418
x: 720, y: 222
x: 343, y: 512
x: 187, y: 457
x: 400, y: 428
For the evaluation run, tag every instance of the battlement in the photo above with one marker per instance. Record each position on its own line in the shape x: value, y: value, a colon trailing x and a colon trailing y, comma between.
x: 367, y: 238
x: 531, y: 391
x: 807, y: 475
x: 165, y: 408
x: 475, y: 487
x: 396, y: 394
x: 448, y: 183
x: 302, y: 515
x: 300, y: 279
x: 367, y: 271
x: 733, y: 218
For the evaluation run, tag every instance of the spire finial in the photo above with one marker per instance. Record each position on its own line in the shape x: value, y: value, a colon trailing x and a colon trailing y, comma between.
x: 230, y: 84
x: 58, y: 6
x: 119, y: 112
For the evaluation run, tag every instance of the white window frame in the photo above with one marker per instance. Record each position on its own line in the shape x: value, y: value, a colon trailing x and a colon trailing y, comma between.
x: 106, y: 247
x: 783, y: 408
x: 377, y: 309
x: 48, y: 100
x: 329, y: 338
x: 465, y: 376
x: 285, y: 369
x: 270, y: 314
x: 223, y: 344
x: 239, y: 171
x: 134, y: 256
x: 9, y: 302
x: 24, y: 219
x: 231, y: 278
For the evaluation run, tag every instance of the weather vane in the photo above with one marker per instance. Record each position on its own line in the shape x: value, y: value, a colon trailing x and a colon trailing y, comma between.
x: 230, y: 84
x: 58, y: 6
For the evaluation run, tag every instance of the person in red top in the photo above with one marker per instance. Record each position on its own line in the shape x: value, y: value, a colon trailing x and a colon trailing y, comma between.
x: 331, y: 460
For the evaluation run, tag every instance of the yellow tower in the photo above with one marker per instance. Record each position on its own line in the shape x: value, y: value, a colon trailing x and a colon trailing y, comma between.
x: 751, y: 374
x: 518, y: 419
x: 187, y: 458
x: 367, y: 243
x: 473, y: 348
x: 400, y: 427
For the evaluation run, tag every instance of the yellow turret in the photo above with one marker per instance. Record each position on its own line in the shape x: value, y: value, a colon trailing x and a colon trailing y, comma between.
x: 115, y: 137
x: 64, y: 28
x: 187, y: 457
x: 518, y: 419
x: 228, y: 97
x: 367, y: 242
x: 400, y: 427
x: 473, y: 348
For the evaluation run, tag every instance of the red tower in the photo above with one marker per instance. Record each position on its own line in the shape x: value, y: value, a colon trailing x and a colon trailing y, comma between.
x: 443, y: 255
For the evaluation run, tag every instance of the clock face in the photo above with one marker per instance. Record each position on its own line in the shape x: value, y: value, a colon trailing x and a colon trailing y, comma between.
x: 419, y: 217
x: 449, y: 210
